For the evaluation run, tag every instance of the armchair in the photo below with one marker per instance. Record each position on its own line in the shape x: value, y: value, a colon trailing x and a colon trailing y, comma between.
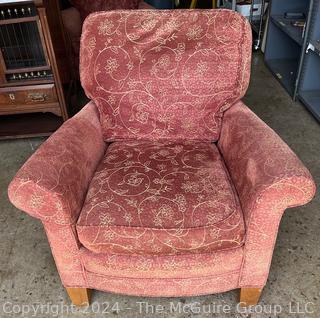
x: 165, y: 184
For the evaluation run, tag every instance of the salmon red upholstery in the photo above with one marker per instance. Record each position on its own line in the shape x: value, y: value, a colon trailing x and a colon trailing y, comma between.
x: 167, y: 74
x: 161, y: 198
x: 165, y: 184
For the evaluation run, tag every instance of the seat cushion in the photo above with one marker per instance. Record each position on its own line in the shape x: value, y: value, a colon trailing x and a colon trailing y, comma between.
x: 161, y: 198
x: 164, y: 74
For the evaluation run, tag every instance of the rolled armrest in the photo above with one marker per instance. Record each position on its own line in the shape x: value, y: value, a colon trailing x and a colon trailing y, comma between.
x: 52, y: 184
x: 268, y: 177
x: 260, y: 163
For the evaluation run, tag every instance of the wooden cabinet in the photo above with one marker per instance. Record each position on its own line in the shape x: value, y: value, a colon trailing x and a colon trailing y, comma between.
x: 35, y: 73
x: 29, y: 99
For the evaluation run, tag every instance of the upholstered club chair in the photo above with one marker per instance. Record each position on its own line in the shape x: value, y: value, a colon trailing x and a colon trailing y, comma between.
x: 165, y: 184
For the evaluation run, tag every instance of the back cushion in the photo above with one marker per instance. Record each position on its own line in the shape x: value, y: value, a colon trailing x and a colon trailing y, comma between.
x: 164, y: 75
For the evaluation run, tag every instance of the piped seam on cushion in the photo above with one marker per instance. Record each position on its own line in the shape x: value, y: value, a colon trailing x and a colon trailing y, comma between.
x: 165, y: 229
x: 166, y: 278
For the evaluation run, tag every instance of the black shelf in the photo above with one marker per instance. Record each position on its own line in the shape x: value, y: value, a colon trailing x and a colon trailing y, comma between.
x: 309, y: 84
x: 295, y: 33
x: 286, y: 43
x: 295, y: 64
x: 311, y: 99
x: 285, y: 71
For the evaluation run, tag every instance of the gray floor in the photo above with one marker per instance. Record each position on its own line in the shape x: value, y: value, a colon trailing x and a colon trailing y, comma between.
x: 28, y: 274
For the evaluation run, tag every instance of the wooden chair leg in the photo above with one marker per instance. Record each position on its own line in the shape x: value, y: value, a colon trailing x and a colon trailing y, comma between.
x: 249, y: 296
x: 79, y: 296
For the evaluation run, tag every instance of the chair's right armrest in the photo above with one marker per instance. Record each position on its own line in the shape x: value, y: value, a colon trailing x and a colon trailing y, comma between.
x: 53, y: 183
x: 262, y: 166
x: 268, y: 177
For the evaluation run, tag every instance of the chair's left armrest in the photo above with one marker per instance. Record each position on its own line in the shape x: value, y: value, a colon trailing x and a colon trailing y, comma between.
x: 53, y: 183
x: 268, y: 177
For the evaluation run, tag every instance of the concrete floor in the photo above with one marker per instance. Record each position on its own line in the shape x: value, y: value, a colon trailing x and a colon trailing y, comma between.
x: 28, y: 273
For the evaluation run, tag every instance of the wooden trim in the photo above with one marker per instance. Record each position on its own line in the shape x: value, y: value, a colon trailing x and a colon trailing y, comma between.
x: 249, y: 296
x: 18, y: 20
x: 2, y: 69
x: 42, y: 108
x: 27, y: 87
x: 52, y: 58
x: 43, y: 41
x: 5, y: 3
x: 79, y: 296
x: 27, y: 83
x: 28, y: 69
x: 62, y: 48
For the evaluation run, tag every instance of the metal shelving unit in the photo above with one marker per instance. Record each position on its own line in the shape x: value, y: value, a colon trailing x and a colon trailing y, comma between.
x: 285, y: 25
x: 257, y: 25
x: 286, y: 43
x: 229, y: 4
x: 309, y: 84
x: 256, y: 22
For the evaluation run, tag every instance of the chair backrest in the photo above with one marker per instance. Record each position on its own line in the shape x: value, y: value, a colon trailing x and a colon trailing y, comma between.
x: 164, y: 75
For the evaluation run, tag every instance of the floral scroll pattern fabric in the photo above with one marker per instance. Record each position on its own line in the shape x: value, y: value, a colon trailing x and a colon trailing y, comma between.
x: 134, y: 196
x: 161, y: 198
x: 164, y: 266
x: 269, y: 178
x: 183, y: 275
x: 52, y: 184
x: 164, y: 74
